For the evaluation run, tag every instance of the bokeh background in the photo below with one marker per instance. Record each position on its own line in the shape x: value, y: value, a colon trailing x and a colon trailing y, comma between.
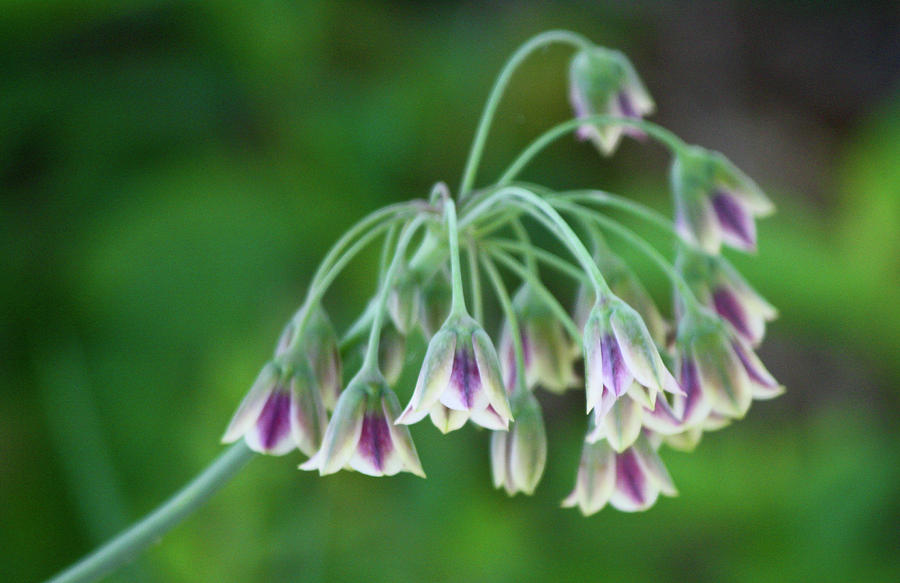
x: 171, y: 173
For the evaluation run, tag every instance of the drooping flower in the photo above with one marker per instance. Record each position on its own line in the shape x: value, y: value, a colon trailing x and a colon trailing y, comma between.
x: 435, y: 303
x: 622, y: 424
x: 460, y: 372
x: 404, y: 301
x: 548, y: 352
x: 618, y: 349
x: 518, y: 456
x: 320, y: 344
x: 715, y: 202
x: 362, y: 434
x: 630, y: 481
x: 282, y: 410
x: 603, y: 81
x: 719, y: 286
x: 726, y: 371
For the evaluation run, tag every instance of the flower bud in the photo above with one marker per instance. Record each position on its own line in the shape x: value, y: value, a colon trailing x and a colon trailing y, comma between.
x: 461, y: 371
x: 603, y: 81
x: 391, y: 354
x: 715, y: 202
x: 282, y: 410
x: 518, y: 456
x: 547, y: 351
x: 362, y: 434
x: 321, y: 346
x: 435, y: 304
x: 404, y: 301
x: 720, y: 287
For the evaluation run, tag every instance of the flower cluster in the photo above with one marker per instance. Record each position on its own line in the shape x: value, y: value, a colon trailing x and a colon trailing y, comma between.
x: 649, y: 379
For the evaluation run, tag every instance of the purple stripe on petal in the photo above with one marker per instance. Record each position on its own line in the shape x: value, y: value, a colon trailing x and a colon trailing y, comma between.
x: 627, y: 109
x: 760, y: 377
x: 375, y: 440
x: 274, y: 422
x: 464, y: 377
x: 730, y: 308
x: 630, y: 478
x: 616, y: 375
x: 734, y: 218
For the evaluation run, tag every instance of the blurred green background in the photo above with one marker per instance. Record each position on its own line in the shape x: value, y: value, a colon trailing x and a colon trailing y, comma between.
x: 172, y: 172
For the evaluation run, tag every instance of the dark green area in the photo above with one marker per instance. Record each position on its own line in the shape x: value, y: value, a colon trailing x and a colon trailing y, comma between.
x: 172, y: 172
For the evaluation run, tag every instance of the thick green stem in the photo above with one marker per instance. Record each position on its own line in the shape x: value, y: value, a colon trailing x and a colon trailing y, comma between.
x: 487, y: 116
x: 150, y: 529
x: 670, y: 140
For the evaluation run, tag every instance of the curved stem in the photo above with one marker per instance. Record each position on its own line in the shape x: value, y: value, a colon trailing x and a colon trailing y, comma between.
x: 475, y: 280
x: 370, y: 360
x: 545, y: 257
x: 539, y: 288
x: 458, y: 299
x: 150, y: 529
x: 513, y: 322
x: 620, y: 202
x: 638, y: 242
x: 522, y: 235
x: 484, y: 124
x: 667, y: 138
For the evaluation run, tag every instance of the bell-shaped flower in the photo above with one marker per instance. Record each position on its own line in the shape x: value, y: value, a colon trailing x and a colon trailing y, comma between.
x: 321, y: 346
x: 461, y: 371
x: 715, y: 202
x: 727, y: 371
x: 362, y: 434
x: 719, y: 286
x: 629, y: 481
x: 603, y: 81
x: 618, y: 349
x: 282, y: 410
x: 547, y: 350
x: 518, y: 456
x: 391, y: 354
x: 622, y: 424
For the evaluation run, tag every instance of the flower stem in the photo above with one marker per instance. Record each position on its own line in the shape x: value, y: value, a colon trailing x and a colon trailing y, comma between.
x: 458, y: 300
x: 371, y: 358
x: 667, y: 138
x: 487, y: 116
x: 126, y: 545
x: 640, y: 243
x: 513, y: 322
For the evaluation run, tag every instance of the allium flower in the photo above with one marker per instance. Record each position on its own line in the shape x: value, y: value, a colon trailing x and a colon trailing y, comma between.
x: 618, y: 349
x: 622, y: 425
x: 548, y: 352
x: 461, y: 372
x: 715, y: 202
x: 630, y: 481
x: 391, y: 354
x: 282, y: 410
x: 718, y: 285
x: 726, y: 371
x: 404, y: 301
x: 362, y: 434
x: 518, y: 456
x: 603, y: 81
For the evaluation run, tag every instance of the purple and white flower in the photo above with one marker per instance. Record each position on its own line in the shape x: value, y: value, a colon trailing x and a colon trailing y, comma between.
x: 630, y: 481
x: 715, y: 202
x: 603, y: 81
x: 282, y: 411
x: 362, y: 434
x: 461, y: 372
x: 618, y: 350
